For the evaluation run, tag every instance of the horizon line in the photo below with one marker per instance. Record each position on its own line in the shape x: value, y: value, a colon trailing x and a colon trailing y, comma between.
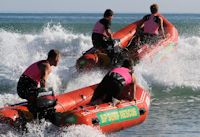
x: 46, y: 12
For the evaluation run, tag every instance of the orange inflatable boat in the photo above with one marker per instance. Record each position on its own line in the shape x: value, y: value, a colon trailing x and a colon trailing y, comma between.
x: 71, y: 108
x: 124, y: 37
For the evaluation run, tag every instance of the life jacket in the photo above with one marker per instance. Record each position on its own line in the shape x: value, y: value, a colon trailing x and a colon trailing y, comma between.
x: 151, y: 26
x: 99, y: 29
x: 33, y: 72
x: 122, y: 74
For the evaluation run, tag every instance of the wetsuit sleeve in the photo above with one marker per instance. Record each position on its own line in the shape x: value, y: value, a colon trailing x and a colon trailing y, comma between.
x: 146, y: 17
x: 106, y: 23
x: 157, y: 20
x: 141, y: 24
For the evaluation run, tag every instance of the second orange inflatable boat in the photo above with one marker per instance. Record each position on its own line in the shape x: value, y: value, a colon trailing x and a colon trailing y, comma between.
x: 90, y: 60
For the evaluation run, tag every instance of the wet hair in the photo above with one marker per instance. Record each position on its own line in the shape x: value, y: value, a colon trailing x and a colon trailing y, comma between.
x: 108, y: 13
x: 154, y: 8
x: 53, y: 53
x: 127, y: 63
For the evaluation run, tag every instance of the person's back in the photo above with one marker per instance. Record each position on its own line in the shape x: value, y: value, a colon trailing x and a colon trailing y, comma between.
x: 113, y: 83
x: 101, y: 26
x: 148, y: 30
x: 153, y: 22
x: 151, y: 25
x: 101, y: 32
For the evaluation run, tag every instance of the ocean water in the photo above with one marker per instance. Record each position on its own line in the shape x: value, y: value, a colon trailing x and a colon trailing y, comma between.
x: 174, y: 83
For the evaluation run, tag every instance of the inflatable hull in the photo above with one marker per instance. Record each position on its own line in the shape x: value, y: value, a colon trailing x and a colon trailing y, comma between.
x: 71, y: 108
x: 159, y: 49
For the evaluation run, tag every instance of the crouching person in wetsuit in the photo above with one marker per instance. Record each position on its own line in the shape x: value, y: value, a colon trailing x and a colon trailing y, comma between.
x: 102, y: 35
x: 113, y: 84
x: 33, y: 80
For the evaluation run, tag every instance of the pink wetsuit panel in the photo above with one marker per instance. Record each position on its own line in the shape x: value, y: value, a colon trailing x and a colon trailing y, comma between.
x: 124, y: 72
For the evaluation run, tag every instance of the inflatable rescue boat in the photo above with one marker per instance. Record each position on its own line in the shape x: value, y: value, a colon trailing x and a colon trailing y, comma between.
x: 71, y: 108
x: 124, y: 39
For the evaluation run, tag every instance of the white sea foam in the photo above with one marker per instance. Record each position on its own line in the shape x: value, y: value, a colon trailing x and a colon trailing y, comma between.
x: 45, y: 129
x: 180, y: 68
x: 17, y: 51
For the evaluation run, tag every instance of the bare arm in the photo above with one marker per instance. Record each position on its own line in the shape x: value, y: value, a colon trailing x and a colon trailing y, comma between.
x: 141, y: 24
x: 109, y: 33
x: 45, y: 70
x: 162, y: 28
x: 133, y: 86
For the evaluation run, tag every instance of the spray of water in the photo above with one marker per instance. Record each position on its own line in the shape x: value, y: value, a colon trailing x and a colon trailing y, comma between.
x: 180, y: 68
x: 17, y: 51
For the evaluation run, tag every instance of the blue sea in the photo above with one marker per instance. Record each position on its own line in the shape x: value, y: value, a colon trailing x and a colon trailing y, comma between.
x: 174, y: 83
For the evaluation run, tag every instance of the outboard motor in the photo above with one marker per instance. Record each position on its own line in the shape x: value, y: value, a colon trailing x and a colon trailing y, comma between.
x: 118, y: 53
x: 45, y: 105
x: 113, y: 47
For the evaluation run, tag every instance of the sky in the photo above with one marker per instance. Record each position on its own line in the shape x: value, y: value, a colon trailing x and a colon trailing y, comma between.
x: 97, y: 6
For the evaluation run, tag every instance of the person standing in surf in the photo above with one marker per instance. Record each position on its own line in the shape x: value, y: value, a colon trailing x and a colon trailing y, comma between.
x: 33, y: 80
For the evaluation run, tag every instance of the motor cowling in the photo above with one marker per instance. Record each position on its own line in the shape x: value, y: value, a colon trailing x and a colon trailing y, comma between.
x: 45, y: 102
x: 45, y: 105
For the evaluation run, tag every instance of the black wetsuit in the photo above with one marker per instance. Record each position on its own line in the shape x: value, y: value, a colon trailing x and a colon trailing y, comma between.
x: 112, y: 85
x: 147, y: 38
x: 27, y: 89
x: 99, y: 40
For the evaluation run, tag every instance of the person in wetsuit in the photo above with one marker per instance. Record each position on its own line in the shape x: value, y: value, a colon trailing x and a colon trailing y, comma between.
x: 151, y: 24
x: 113, y: 84
x: 101, y: 34
x: 33, y: 80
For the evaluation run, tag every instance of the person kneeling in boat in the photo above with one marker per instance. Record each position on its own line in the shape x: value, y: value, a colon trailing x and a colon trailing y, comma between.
x: 113, y: 84
x: 33, y: 80
x: 148, y: 29
x: 102, y: 35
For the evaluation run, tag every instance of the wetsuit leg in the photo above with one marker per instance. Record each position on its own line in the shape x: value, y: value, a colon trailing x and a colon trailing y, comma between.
x: 101, y: 90
x: 27, y: 89
x: 113, y: 91
x: 108, y: 88
x: 97, y: 41
x: 32, y: 105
